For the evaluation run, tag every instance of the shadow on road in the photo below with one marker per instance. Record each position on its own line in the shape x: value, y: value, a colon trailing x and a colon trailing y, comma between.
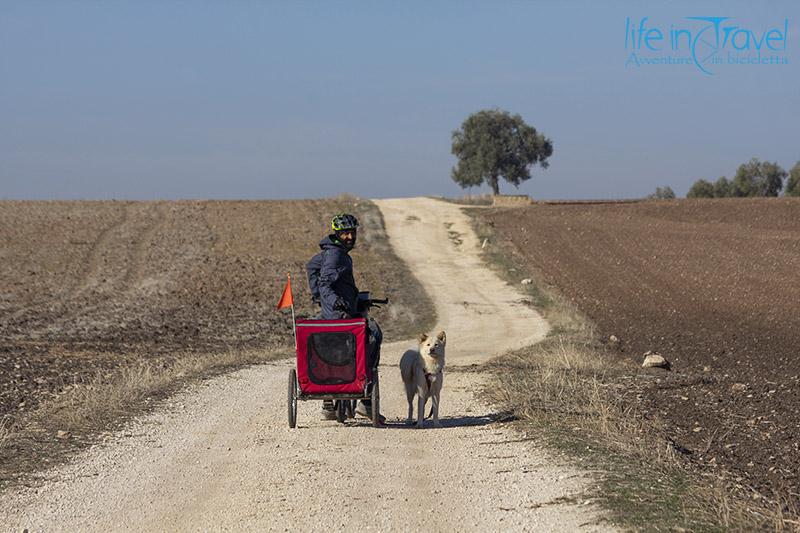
x: 447, y: 422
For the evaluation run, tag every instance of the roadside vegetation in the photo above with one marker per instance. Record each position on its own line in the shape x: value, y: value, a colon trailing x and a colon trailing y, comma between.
x: 571, y: 394
x: 468, y: 199
x: 96, y: 404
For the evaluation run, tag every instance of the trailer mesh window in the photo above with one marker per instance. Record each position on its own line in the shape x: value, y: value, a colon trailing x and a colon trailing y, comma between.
x: 331, y: 357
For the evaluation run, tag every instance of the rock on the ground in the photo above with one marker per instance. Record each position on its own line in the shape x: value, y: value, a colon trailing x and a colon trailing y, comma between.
x: 654, y: 360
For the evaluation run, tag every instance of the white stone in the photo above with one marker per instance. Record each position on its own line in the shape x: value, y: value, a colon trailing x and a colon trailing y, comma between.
x: 654, y: 360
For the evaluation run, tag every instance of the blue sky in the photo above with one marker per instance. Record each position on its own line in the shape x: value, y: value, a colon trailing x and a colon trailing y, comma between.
x: 146, y: 100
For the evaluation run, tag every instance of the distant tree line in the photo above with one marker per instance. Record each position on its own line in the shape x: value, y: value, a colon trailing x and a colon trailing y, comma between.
x: 752, y: 179
x: 662, y: 193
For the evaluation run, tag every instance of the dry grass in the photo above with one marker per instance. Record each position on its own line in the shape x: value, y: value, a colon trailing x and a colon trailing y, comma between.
x: 5, y: 431
x: 99, y: 400
x: 579, y: 401
x: 561, y: 380
x: 104, y: 402
x: 469, y: 199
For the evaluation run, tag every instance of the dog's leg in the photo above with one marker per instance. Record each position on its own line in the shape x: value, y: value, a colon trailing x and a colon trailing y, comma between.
x: 436, y: 395
x: 435, y: 410
x: 410, y: 390
x: 421, y: 411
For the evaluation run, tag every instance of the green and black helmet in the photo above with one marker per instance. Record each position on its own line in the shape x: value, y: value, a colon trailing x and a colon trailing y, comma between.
x: 344, y: 222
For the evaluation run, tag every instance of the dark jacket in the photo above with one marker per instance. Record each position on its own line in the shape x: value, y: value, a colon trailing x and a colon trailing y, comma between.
x: 337, y: 286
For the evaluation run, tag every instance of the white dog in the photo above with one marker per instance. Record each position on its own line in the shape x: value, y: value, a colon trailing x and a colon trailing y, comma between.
x: 422, y: 372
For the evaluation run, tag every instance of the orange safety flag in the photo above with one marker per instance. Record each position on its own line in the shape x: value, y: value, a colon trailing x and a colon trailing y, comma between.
x: 286, y: 299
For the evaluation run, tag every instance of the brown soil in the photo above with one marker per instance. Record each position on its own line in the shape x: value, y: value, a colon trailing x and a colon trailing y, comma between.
x: 710, y: 284
x: 89, y: 286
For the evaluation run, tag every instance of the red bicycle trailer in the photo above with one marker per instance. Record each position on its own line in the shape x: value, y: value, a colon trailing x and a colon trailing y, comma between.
x: 332, y: 365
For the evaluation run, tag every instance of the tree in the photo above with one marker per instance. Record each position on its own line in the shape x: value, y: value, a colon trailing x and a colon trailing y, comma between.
x: 757, y: 178
x: 701, y: 189
x: 662, y: 193
x: 793, y: 183
x: 491, y: 144
x: 722, y: 188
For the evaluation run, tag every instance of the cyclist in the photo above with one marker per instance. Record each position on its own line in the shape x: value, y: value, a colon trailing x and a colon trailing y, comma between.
x: 333, y: 286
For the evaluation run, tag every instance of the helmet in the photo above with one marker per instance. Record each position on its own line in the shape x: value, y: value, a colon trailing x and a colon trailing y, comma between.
x: 344, y: 221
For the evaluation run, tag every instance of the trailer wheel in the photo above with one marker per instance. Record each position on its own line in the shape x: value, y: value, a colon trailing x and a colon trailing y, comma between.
x: 376, y: 403
x: 292, y: 398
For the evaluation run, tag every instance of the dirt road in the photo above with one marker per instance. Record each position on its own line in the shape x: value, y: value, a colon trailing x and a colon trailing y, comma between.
x: 221, y: 457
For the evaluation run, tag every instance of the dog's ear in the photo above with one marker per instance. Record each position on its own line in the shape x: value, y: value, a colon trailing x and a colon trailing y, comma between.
x: 441, y: 336
x: 422, y: 337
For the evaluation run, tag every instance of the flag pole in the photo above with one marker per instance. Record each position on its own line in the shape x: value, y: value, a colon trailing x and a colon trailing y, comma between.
x: 294, y: 323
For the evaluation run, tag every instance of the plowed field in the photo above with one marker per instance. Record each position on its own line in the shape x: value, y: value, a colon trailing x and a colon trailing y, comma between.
x: 714, y: 286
